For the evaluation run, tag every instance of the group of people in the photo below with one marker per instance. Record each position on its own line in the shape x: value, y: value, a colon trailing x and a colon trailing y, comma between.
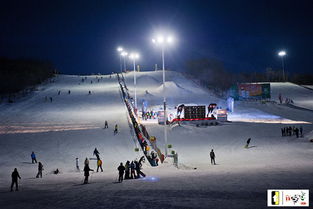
x: 148, y: 115
x: 131, y: 170
x: 15, y: 175
x: 291, y: 131
x: 287, y: 100
x: 106, y: 125
x: 87, y: 169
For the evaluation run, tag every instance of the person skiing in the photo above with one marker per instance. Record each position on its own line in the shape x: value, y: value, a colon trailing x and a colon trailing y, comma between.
x: 212, y: 156
x: 15, y: 175
x: 99, y: 165
x: 86, y: 173
x: 121, y: 170
x: 132, y: 170
x: 127, y: 169
x: 33, y: 156
x: 115, y: 129
x: 69, y: 91
x: 138, y: 170
x: 96, y: 152
x: 50, y: 99
x: 106, y: 124
x: 40, y: 169
x: 248, y: 142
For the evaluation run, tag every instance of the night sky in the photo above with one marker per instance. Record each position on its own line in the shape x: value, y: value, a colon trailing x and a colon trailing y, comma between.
x: 80, y: 37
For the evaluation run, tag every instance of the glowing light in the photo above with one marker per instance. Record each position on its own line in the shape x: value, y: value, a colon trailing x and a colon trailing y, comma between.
x: 124, y: 53
x: 282, y: 53
x: 119, y: 49
x: 134, y: 56
x: 160, y: 39
x: 169, y: 39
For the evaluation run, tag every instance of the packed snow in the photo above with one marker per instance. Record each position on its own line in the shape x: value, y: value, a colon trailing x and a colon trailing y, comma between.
x: 72, y: 126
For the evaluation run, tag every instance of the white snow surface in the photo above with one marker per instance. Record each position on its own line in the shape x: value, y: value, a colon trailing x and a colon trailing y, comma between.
x: 72, y: 126
x: 301, y: 96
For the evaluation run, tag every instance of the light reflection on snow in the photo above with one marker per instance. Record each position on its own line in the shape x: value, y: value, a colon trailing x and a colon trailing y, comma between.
x: 43, y: 127
x: 150, y: 179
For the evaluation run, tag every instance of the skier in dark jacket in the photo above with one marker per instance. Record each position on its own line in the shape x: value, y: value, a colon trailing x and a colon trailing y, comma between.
x: 86, y: 173
x: 138, y: 170
x: 115, y: 129
x: 132, y: 170
x: 212, y: 156
x: 33, y: 156
x: 96, y: 152
x: 40, y: 169
x: 121, y: 170
x: 248, y: 142
x: 106, y: 124
x: 127, y: 169
x: 15, y: 175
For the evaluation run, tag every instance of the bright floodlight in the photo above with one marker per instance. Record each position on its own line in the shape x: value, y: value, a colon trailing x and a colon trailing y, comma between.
x: 281, y: 53
x: 169, y: 39
x: 134, y: 56
x: 124, y: 53
x: 119, y: 49
x: 162, y: 39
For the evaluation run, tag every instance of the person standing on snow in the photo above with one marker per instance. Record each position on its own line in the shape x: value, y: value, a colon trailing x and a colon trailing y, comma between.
x: 138, y: 170
x: 40, y: 169
x: 106, y: 125
x: 86, y: 173
x: 33, y: 156
x: 132, y: 170
x: 248, y: 142
x: 127, y: 169
x: 77, y: 166
x: 86, y: 161
x: 99, y: 165
x: 121, y: 170
x: 212, y: 156
x: 15, y: 175
x: 301, y: 131
x: 115, y: 129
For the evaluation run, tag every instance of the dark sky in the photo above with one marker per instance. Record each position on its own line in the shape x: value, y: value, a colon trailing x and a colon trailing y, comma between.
x: 82, y: 36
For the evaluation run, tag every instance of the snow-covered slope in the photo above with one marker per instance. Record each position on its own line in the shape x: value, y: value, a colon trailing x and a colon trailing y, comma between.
x: 301, y: 96
x: 72, y: 126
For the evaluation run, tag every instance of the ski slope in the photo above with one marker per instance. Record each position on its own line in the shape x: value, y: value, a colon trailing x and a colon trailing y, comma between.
x: 302, y: 97
x: 72, y: 126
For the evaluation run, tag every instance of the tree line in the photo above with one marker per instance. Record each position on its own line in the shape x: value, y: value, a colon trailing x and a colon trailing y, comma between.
x: 212, y: 74
x: 19, y: 74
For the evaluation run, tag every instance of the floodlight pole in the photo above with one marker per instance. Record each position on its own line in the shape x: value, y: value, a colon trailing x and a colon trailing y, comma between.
x: 135, y: 84
x: 283, y: 65
x: 164, y: 102
x: 124, y: 64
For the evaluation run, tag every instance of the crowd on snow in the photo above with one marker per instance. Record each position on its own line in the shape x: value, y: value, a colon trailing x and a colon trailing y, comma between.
x: 131, y: 170
x: 292, y: 131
